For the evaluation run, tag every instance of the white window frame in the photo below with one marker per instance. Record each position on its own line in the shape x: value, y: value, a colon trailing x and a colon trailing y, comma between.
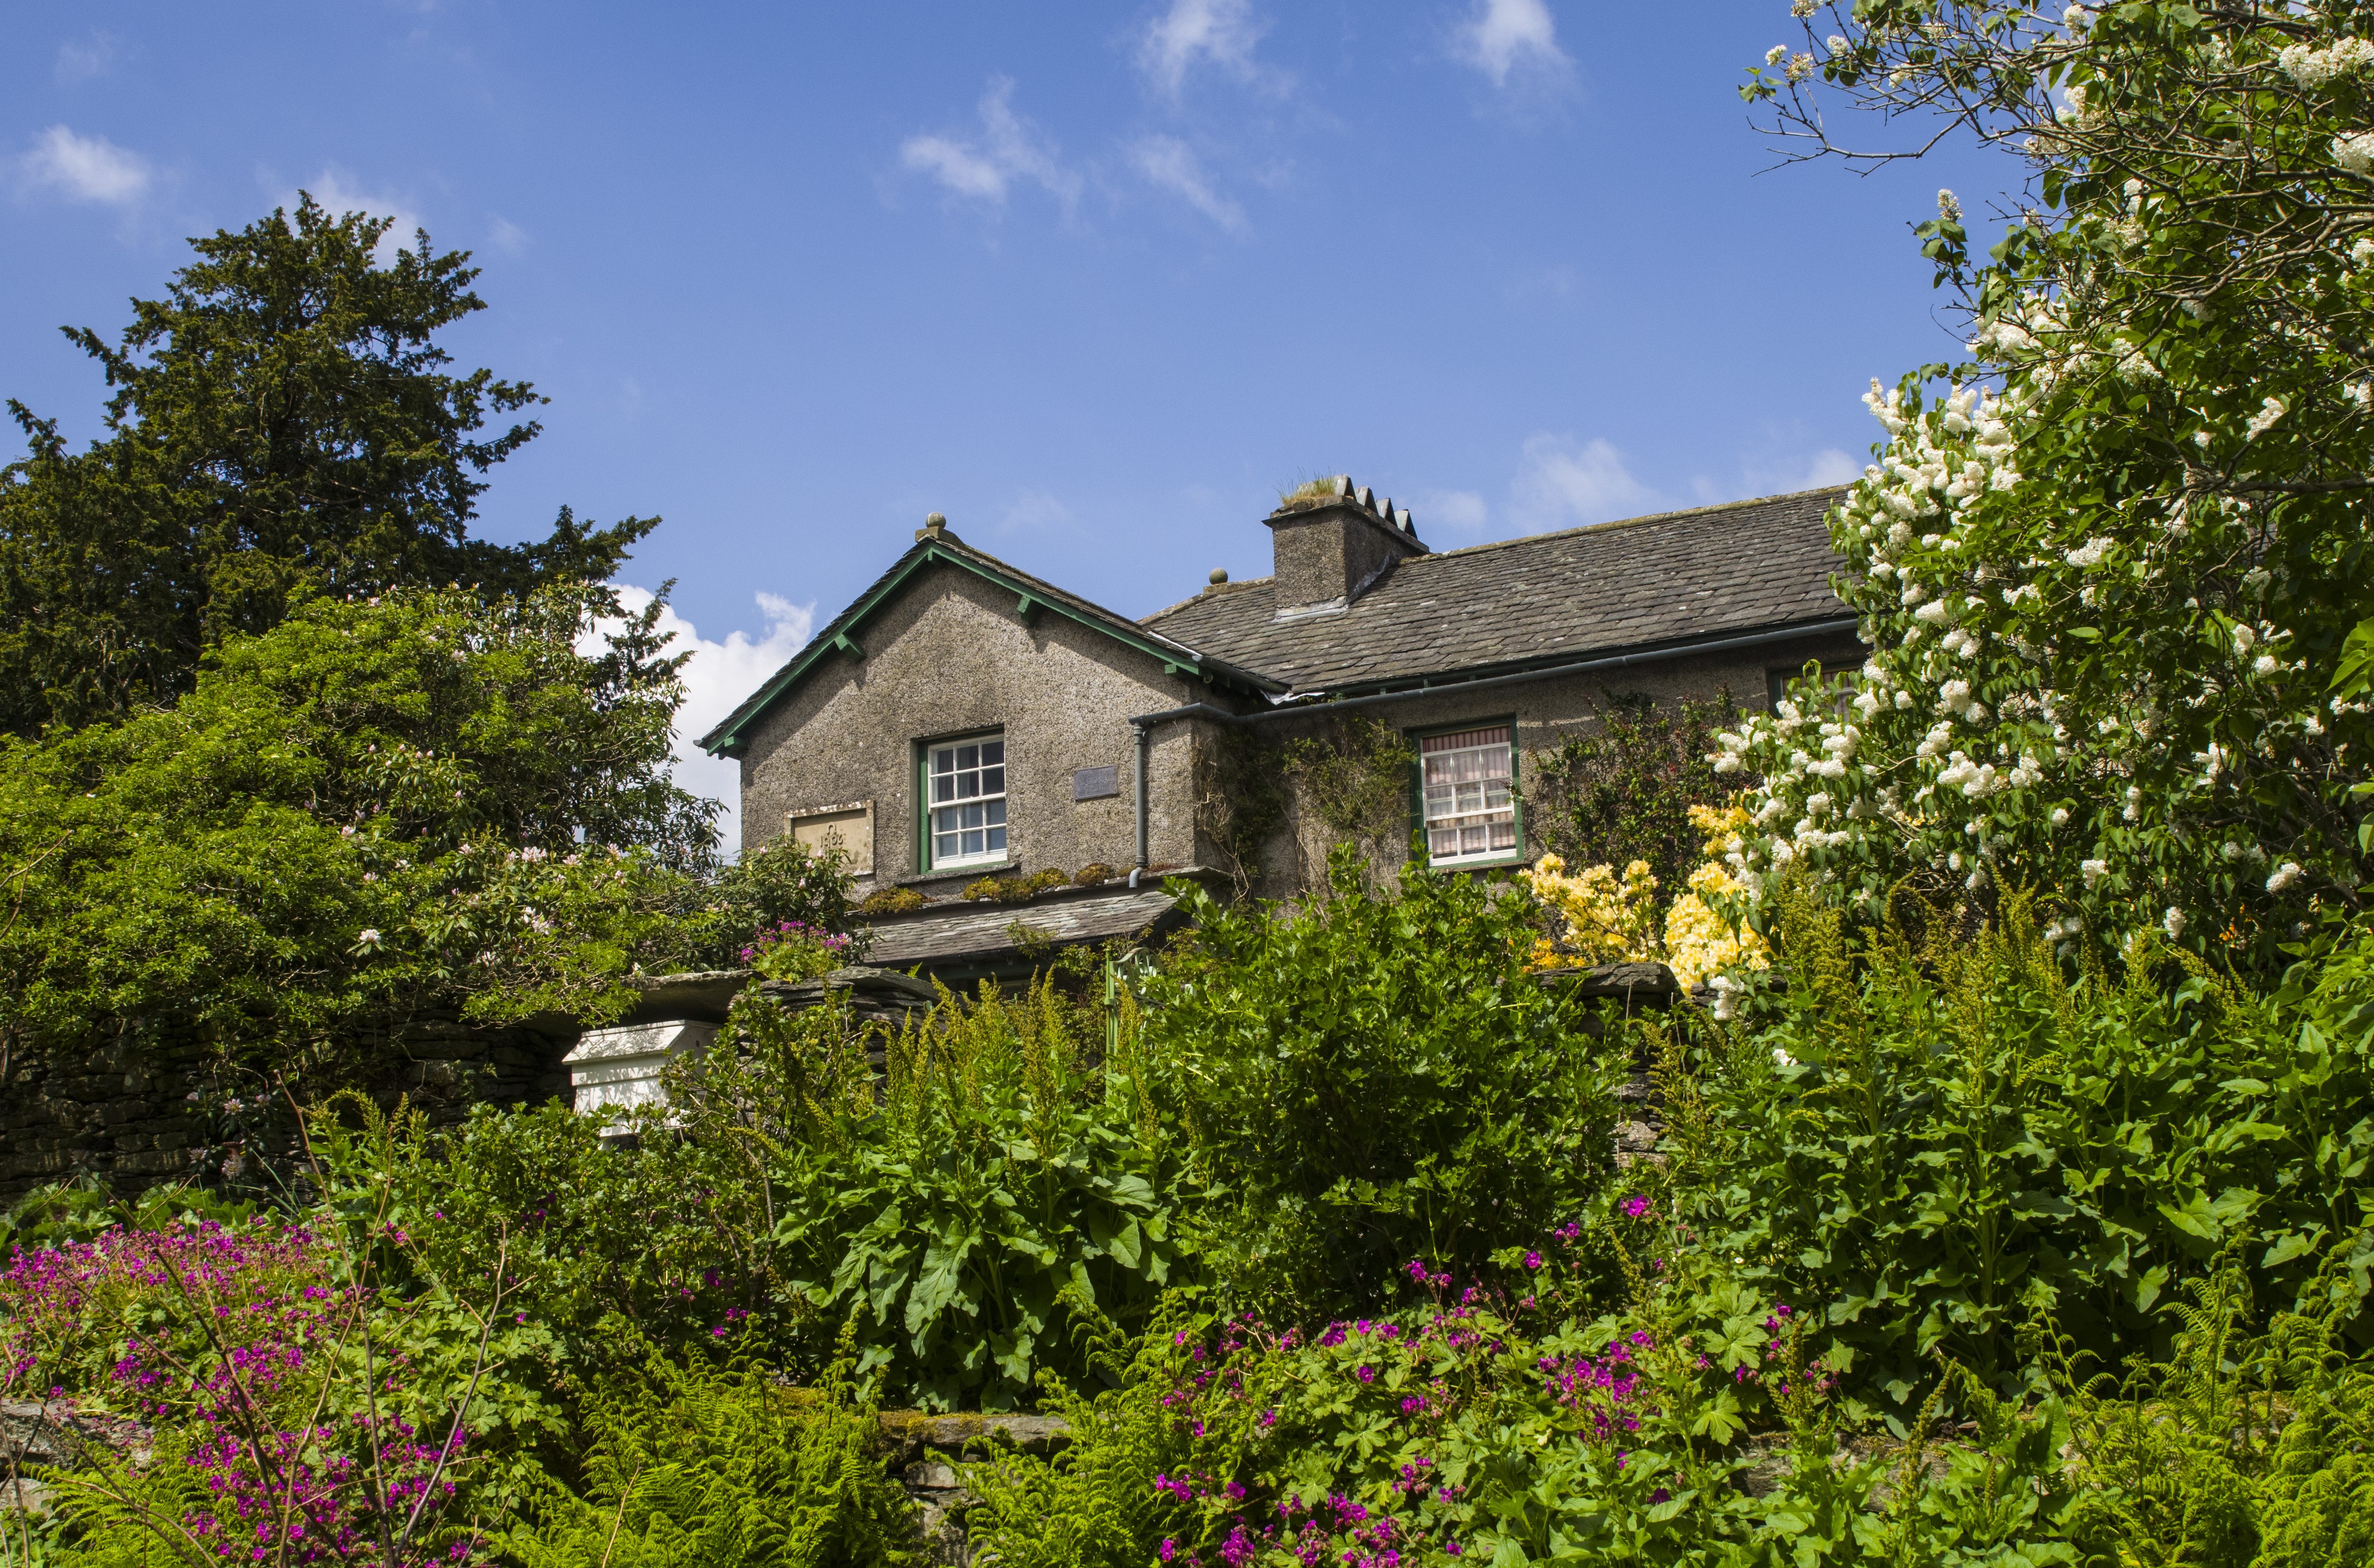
x: 992, y: 802
x: 1484, y: 814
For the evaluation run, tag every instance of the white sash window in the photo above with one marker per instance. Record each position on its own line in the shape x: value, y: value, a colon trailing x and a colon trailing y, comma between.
x: 1471, y: 814
x: 968, y: 801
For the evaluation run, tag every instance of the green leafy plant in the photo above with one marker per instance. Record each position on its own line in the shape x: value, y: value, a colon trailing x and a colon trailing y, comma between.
x: 2110, y: 562
x: 891, y: 901
x: 1001, y: 1177
x: 1375, y: 1077
x: 1945, y: 1136
x: 723, y: 1466
x: 371, y: 809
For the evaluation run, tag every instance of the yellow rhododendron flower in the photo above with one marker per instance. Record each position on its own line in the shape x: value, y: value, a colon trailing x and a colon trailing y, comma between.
x: 1597, y: 916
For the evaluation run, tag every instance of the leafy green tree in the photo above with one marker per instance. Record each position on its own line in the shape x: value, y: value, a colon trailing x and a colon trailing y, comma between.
x: 2116, y: 579
x: 282, y: 422
x: 419, y: 800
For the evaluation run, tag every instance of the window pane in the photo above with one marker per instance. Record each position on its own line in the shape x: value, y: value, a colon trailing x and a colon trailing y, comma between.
x: 992, y: 753
x: 997, y: 809
x: 943, y: 786
x: 968, y: 756
x: 997, y: 838
x: 992, y: 781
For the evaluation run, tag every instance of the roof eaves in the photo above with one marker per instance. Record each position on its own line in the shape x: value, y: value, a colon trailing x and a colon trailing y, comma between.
x: 1419, y: 682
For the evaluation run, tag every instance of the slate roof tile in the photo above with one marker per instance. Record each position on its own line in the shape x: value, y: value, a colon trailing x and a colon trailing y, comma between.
x: 1746, y: 566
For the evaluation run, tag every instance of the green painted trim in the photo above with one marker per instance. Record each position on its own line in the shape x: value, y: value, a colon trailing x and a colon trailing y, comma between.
x: 1028, y: 608
x: 920, y: 753
x: 1417, y: 790
x: 724, y: 739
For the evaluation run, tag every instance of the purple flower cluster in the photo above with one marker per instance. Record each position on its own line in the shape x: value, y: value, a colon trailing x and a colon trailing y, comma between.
x: 793, y: 933
x: 225, y: 1324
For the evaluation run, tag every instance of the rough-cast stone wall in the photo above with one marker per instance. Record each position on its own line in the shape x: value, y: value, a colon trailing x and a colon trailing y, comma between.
x: 951, y: 657
x: 1546, y: 713
x: 122, y: 1110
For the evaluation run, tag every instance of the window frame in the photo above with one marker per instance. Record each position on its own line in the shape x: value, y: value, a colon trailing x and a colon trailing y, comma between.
x: 926, y: 860
x: 1510, y: 857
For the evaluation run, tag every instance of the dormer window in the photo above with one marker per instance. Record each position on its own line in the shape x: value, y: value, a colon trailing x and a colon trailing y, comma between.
x: 967, y: 780
x: 1471, y: 811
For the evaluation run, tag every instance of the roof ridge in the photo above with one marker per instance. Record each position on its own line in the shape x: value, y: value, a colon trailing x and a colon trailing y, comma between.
x: 1208, y: 593
x: 1626, y: 522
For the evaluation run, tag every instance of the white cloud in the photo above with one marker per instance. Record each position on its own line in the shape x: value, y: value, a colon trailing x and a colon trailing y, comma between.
x: 338, y: 195
x: 717, y: 678
x: 85, y: 168
x: 1505, y: 36
x: 1221, y: 32
x: 1008, y: 150
x: 1460, y: 511
x: 1830, y: 466
x: 1033, y: 510
x: 1781, y: 473
x: 507, y: 237
x: 1559, y: 484
x: 1171, y: 165
x: 80, y: 62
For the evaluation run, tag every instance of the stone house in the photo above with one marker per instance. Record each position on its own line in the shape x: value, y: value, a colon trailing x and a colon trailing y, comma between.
x: 964, y: 719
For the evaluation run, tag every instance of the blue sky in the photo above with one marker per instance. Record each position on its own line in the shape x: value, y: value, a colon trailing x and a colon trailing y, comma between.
x: 1096, y: 281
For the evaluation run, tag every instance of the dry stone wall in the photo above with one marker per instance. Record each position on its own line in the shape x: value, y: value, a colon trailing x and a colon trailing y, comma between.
x: 134, y: 1111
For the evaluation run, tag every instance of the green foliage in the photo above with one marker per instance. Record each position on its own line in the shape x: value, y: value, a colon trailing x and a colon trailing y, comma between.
x: 2239, y: 1448
x: 1354, y: 776
x: 727, y: 1467
x: 780, y: 883
x: 998, y: 1183
x: 60, y: 1213
x: 1016, y: 889
x: 424, y: 799
x: 1240, y: 800
x: 282, y: 424
x: 1092, y: 873
x: 1519, y: 1424
x: 1375, y: 1078
x: 1623, y: 792
x: 1093, y: 1501
x: 1944, y: 1139
x: 891, y: 901
x: 654, y: 1239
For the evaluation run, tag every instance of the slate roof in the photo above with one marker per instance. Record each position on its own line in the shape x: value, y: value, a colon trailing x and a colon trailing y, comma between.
x: 977, y: 933
x: 1672, y: 578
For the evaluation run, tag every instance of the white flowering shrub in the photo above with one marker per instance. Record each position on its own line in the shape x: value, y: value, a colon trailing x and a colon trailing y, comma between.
x: 2116, y: 579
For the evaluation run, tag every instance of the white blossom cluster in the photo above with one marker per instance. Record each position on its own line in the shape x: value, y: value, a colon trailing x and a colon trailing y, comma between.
x: 2313, y: 67
x: 1980, y: 753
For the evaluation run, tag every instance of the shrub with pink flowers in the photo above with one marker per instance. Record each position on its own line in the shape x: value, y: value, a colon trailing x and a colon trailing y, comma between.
x: 299, y: 1417
x: 1514, y: 1418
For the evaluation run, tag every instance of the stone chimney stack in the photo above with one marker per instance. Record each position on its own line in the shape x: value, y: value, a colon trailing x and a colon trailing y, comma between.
x: 1332, y: 543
